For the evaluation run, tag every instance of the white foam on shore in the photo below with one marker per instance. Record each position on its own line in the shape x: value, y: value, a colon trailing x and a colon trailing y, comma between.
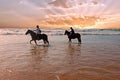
x: 15, y: 31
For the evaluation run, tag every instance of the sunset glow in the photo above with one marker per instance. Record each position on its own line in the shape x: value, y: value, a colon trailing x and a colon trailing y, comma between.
x: 80, y: 14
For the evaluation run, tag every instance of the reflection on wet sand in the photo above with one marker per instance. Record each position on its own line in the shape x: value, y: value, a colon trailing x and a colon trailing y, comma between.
x: 49, y: 60
x: 73, y: 52
x: 38, y: 49
x: 38, y: 54
x: 73, y: 48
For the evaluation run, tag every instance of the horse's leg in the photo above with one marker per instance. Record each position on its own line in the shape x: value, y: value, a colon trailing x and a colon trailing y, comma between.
x: 69, y: 39
x: 31, y: 41
x: 47, y: 41
x: 35, y: 42
x: 44, y: 41
x: 79, y: 39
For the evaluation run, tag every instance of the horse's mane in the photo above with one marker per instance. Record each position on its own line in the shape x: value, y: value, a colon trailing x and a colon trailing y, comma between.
x: 67, y: 31
x: 31, y: 31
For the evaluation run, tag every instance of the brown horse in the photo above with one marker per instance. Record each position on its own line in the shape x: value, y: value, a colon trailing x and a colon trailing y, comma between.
x: 35, y: 37
x: 76, y: 35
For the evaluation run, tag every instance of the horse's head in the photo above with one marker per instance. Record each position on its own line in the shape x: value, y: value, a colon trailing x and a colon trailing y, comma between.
x: 28, y: 31
x: 66, y: 32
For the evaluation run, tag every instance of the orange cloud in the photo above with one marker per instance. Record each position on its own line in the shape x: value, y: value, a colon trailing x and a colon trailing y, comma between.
x: 71, y: 21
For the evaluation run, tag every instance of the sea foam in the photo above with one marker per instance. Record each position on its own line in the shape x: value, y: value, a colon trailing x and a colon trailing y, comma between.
x: 52, y: 32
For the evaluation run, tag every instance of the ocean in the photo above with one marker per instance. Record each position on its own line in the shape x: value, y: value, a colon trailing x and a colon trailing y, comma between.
x: 96, y: 58
x: 59, y: 31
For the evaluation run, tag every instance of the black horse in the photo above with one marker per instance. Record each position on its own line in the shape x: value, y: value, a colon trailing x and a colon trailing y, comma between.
x: 75, y: 35
x: 35, y: 37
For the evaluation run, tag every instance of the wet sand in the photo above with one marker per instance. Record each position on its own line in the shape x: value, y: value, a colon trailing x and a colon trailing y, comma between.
x: 97, y: 58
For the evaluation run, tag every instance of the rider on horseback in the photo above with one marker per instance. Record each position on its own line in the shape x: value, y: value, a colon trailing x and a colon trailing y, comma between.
x: 71, y: 31
x: 38, y: 31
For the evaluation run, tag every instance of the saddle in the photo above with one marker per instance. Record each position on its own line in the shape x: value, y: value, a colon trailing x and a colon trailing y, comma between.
x: 39, y: 36
x: 71, y: 35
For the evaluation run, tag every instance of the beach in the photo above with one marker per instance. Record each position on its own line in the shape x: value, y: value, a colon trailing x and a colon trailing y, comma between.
x: 96, y: 58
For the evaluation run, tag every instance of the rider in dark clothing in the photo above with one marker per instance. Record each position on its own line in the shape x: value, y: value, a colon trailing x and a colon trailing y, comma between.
x: 71, y: 31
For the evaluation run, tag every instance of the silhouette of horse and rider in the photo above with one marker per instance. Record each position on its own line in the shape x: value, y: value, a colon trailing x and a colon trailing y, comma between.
x: 38, y: 36
x: 73, y: 35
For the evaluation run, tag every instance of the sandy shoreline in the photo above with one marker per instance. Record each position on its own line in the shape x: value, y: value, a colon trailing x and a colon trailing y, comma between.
x: 97, y: 58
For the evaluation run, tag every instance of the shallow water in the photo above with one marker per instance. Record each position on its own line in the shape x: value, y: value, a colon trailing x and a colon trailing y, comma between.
x: 97, y: 58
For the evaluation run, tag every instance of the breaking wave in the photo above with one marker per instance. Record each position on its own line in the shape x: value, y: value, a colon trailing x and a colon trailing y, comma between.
x: 15, y: 31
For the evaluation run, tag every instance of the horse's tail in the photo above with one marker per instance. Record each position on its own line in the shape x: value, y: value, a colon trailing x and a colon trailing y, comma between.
x: 79, y: 37
x: 46, y: 38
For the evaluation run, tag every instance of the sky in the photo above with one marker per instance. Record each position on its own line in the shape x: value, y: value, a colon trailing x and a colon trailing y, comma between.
x: 82, y: 14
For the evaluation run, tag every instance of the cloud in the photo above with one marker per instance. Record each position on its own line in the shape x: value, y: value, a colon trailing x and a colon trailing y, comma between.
x: 94, y: 2
x: 58, y: 12
x: 39, y: 3
x: 54, y: 14
x: 91, y: 3
x: 29, y: 8
x: 75, y: 3
x: 71, y: 20
x: 60, y: 3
